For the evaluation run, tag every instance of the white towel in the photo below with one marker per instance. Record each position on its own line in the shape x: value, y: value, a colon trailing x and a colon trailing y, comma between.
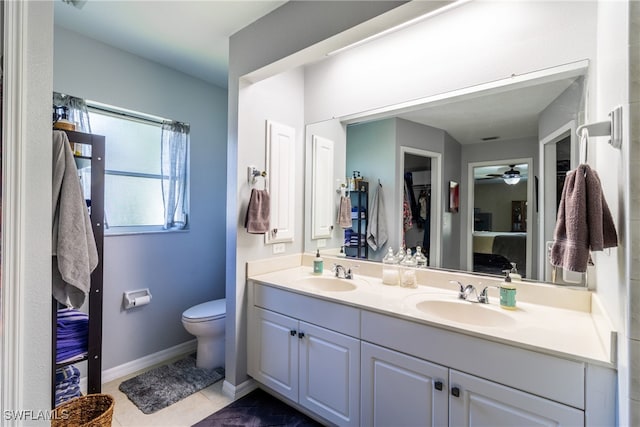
x: 74, y: 245
x: 377, y: 234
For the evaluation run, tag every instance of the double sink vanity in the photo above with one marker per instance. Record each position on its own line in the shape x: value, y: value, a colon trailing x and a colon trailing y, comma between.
x: 359, y: 352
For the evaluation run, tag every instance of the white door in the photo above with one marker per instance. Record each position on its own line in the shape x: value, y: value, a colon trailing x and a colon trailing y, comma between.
x: 273, y: 351
x: 400, y: 390
x: 330, y: 374
x: 477, y: 402
x: 322, y: 191
x: 281, y: 178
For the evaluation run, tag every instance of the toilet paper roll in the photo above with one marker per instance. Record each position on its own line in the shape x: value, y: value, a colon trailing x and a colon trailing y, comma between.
x: 144, y: 300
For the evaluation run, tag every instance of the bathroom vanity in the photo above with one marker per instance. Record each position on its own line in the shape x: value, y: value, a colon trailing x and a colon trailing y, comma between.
x: 358, y: 352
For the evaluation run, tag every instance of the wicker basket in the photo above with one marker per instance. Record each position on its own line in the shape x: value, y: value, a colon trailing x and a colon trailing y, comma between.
x: 92, y: 410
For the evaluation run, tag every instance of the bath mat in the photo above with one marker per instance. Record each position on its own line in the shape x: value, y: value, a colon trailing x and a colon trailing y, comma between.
x: 257, y: 409
x: 165, y: 385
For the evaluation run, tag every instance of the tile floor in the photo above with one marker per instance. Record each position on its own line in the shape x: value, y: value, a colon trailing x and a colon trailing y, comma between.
x: 184, y: 413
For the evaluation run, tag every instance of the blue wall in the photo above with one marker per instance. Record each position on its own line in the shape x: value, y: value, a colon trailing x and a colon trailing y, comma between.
x: 181, y: 269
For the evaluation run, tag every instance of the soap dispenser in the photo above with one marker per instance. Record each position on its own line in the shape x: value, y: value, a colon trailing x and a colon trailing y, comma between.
x: 318, y: 263
x: 514, y: 273
x: 507, y: 294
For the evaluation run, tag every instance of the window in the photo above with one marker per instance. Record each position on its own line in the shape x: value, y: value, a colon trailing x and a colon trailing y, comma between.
x: 135, y: 193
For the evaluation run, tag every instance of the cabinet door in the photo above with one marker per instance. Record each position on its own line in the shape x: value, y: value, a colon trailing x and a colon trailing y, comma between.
x: 330, y: 375
x: 484, y: 403
x: 400, y: 390
x: 274, y: 352
x: 281, y: 178
x: 322, y: 191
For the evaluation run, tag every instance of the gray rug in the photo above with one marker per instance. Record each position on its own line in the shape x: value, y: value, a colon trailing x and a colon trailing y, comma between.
x: 165, y: 385
x: 257, y: 409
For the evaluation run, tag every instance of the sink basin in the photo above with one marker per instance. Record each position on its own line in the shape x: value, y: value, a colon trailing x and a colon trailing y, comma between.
x: 465, y: 312
x: 327, y: 283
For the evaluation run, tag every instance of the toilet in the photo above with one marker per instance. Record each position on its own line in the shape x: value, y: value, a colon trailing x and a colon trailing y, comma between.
x: 207, y: 322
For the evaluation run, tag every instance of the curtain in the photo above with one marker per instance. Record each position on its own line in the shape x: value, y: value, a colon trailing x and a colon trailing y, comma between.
x: 174, y: 155
x: 78, y: 113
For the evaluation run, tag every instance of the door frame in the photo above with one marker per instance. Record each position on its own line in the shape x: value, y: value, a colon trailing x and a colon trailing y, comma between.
x: 568, y: 129
x: 435, y: 249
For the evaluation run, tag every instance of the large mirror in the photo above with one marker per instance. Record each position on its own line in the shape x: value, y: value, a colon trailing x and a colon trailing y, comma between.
x: 507, y: 146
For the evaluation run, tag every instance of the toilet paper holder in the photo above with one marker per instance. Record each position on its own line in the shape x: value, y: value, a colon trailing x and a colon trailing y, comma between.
x: 137, y: 298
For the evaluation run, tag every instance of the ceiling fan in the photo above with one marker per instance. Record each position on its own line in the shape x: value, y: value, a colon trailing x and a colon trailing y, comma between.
x: 510, y: 177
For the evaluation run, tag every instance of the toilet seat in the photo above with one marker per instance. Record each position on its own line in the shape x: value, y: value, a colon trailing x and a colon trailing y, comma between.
x: 205, y: 312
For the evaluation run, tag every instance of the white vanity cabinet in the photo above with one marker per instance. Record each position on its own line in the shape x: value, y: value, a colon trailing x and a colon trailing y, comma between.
x: 477, y: 402
x: 317, y: 367
x: 488, y: 383
x: 400, y: 390
x: 355, y: 366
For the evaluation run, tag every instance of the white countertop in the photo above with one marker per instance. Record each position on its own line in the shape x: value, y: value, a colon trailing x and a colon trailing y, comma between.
x: 578, y: 335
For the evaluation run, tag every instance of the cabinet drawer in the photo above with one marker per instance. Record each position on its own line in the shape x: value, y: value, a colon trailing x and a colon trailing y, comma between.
x: 337, y: 317
x: 551, y: 377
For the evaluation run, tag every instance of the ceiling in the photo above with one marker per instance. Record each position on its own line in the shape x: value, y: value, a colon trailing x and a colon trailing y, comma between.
x: 188, y: 36
x: 508, y: 115
x: 193, y: 37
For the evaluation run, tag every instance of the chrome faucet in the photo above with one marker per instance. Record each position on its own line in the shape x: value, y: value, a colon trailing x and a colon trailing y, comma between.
x: 346, y: 272
x: 465, y: 291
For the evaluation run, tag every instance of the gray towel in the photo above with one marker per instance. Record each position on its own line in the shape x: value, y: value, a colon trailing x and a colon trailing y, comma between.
x: 377, y: 234
x: 344, y: 212
x: 584, y: 221
x: 74, y: 246
x: 257, y: 218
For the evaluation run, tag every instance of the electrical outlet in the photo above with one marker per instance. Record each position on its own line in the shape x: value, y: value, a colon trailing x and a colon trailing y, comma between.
x: 278, y: 248
x: 322, y: 243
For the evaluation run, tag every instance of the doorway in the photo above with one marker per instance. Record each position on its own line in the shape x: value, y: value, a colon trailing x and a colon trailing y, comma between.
x: 421, y: 203
x: 500, y: 197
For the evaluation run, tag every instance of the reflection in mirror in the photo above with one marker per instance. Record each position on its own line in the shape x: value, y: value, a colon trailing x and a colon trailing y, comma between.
x: 421, y: 216
x: 500, y: 227
x: 321, y: 188
x: 524, y: 125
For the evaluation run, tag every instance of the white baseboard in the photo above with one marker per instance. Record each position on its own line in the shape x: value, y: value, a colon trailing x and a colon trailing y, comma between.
x: 236, y: 391
x: 145, y: 362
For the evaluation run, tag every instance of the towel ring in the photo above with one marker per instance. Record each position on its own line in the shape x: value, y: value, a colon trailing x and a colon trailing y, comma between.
x: 253, y: 173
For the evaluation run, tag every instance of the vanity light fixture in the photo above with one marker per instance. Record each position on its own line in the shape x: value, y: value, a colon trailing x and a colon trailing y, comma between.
x: 512, y: 176
x: 417, y: 19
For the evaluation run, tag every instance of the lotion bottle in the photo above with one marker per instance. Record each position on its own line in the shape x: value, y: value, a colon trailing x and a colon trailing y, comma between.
x: 318, y: 263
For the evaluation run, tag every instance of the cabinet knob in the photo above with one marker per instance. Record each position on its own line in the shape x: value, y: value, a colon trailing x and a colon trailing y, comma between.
x: 455, y: 391
x: 293, y: 332
x: 438, y: 385
x: 300, y: 335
